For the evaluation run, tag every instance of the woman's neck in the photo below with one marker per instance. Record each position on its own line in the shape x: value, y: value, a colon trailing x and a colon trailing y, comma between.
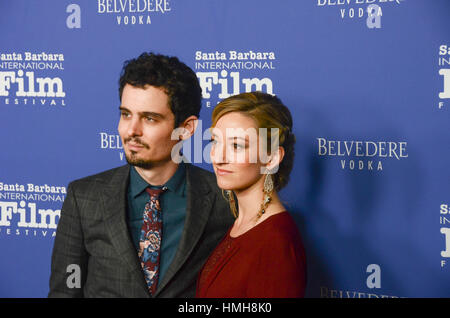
x: 249, y: 202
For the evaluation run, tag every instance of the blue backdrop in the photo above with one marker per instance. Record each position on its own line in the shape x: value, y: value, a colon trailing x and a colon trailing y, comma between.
x: 367, y: 82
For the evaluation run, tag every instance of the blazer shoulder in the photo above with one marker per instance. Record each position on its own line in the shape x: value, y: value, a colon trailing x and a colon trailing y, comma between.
x: 197, y: 174
x: 202, y: 179
x: 102, y: 177
x: 198, y: 171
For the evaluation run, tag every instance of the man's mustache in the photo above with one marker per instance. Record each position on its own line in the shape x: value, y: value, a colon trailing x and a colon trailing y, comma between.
x: 136, y: 141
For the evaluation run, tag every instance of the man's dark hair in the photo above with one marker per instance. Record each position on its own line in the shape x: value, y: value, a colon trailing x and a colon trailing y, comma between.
x: 178, y: 81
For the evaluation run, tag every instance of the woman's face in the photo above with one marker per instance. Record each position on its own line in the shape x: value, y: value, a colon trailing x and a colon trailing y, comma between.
x: 234, y: 152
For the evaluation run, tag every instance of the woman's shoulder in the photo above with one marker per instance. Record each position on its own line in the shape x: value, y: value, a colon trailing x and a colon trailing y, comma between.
x: 280, y: 239
x: 280, y: 227
x: 282, y: 219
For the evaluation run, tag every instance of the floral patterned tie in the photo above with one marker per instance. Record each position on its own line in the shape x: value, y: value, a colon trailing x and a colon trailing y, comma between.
x: 150, y: 239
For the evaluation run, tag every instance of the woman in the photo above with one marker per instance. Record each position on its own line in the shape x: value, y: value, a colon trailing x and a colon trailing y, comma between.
x: 252, y: 153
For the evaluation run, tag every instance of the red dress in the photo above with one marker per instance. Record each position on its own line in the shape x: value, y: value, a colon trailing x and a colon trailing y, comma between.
x: 266, y: 261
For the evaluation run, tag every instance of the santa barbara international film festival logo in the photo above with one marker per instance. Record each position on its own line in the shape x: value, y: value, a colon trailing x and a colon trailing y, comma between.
x: 225, y: 73
x: 444, y: 222
x: 29, y: 209
x: 32, y: 79
x: 444, y: 60
x: 133, y: 12
x: 361, y: 155
x: 369, y: 11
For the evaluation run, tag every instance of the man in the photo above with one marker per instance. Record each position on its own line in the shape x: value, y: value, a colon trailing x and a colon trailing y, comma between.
x: 144, y: 229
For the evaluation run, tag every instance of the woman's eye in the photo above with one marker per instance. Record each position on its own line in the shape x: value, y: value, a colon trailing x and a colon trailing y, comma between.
x: 238, y: 146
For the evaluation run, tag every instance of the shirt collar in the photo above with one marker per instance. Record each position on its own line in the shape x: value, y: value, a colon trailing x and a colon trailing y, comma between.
x: 174, y: 184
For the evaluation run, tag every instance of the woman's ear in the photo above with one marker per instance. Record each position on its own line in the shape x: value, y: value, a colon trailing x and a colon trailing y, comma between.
x: 275, y: 159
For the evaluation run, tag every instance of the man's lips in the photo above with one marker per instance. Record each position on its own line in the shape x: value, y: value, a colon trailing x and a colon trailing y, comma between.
x: 135, y: 146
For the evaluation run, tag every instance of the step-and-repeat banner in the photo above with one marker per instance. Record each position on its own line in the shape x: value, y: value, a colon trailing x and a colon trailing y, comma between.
x: 367, y: 82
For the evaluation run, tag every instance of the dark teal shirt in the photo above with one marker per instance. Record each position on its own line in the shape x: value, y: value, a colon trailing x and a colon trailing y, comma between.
x: 173, y: 206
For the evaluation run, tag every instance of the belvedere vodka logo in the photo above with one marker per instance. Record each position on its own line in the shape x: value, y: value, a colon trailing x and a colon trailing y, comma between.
x: 226, y: 73
x: 33, y: 79
x: 361, y: 155
x: 30, y: 209
x: 369, y: 11
x: 373, y: 283
x: 133, y: 12
x: 111, y: 142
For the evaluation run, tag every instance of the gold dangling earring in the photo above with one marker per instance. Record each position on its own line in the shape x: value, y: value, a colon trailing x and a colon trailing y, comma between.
x: 268, y: 189
x: 230, y: 198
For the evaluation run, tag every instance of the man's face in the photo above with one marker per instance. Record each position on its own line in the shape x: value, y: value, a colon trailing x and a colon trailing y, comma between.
x: 145, y: 126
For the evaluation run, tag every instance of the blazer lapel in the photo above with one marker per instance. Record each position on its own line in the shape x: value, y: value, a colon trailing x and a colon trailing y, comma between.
x: 198, y: 208
x: 115, y: 209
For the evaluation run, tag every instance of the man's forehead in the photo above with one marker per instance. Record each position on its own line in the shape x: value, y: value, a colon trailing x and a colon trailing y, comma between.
x: 150, y: 99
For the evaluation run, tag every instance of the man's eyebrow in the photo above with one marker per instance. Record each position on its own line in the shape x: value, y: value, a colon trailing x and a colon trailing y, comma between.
x: 152, y: 114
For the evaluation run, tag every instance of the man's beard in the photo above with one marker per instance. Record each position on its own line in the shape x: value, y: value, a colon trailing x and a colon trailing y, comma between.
x: 138, y: 162
x: 132, y: 158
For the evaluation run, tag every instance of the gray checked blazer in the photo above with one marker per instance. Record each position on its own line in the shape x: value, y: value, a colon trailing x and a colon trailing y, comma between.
x: 93, y: 234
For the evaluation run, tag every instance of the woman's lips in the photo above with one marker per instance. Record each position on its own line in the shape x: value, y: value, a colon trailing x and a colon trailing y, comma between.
x: 222, y: 172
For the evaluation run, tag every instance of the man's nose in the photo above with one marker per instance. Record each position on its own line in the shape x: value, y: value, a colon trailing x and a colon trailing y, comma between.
x: 134, y: 127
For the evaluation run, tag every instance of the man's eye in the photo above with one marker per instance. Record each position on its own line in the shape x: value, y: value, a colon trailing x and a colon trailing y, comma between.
x: 238, y: 146
x: 149, y: 119
x: 124, y: 114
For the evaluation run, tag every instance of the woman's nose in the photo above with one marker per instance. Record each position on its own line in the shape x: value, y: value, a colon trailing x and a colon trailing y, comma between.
x: 218, y: 153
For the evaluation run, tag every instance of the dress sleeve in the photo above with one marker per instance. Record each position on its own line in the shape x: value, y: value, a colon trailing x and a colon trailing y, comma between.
x: 280, y: 270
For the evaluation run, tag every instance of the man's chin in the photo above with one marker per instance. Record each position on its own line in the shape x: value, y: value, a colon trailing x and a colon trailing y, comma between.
x: 138, y: 162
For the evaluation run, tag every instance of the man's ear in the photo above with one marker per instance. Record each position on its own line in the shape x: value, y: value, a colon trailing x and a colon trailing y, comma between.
x: 189, y: 125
